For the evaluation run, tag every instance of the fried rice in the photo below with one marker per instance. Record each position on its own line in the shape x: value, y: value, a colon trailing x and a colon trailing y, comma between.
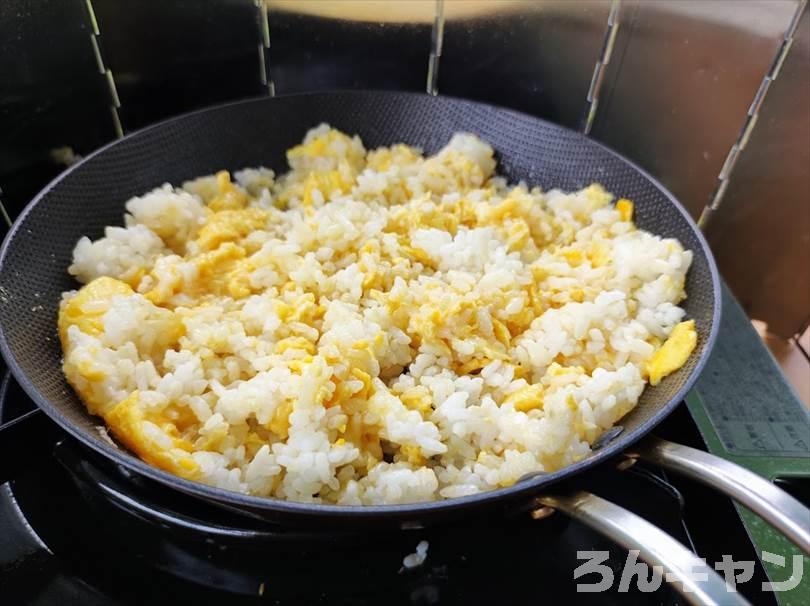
x: 371, y: 327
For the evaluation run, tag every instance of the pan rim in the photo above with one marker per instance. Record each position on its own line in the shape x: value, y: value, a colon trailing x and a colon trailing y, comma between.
x: 525, y: 489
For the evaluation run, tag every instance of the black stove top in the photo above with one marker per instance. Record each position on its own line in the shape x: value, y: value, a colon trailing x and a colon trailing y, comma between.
x: 77, y: 530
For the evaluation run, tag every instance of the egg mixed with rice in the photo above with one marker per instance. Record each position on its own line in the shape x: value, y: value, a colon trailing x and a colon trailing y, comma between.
x: 372, y: 326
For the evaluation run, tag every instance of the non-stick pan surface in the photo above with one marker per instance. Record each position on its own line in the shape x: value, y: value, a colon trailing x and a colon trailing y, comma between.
x: 91, y: 195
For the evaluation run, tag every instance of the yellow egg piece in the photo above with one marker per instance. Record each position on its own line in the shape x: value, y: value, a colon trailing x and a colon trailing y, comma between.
x: 280, y: 424
x: 471, y: 366
x: 599, y: 254
x: 215, y: 266
x: 527, y: 398
x: 412, y: 454
x: 673, y: 353
x: 597, y: 195
x: 327, y: 183
x: 418, y: 398
x: 89, y: 370
x: 229, y: 197
x: 295, y: 343
x: 625, y: 208
x: 574, y: 257
x: 327, y: 145
x: 230, y: 226
x: 152, y: 437
x: 88, y: 306
x: 365, y: 378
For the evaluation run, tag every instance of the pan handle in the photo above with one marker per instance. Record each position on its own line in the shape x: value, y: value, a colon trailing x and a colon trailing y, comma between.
x: 759, y: 495
x: 695, y: 580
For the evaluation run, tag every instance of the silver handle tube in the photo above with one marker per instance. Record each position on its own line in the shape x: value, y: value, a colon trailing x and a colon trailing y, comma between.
x: 759, y: 495
x: 696, y: 581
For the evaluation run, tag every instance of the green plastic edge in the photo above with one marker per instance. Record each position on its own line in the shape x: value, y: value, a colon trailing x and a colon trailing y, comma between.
x: 762, y: 535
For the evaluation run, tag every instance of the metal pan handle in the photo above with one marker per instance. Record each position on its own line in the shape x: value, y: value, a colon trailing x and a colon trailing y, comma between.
x: 755, y: 492
x: 695, y: 580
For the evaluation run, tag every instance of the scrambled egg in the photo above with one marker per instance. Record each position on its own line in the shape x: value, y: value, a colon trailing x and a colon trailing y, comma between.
x: 230, y: 225
x: 625, y: 208
x: 228, y: 196
x: 324, y: 166
x: 155, y: 438
x: 86, y: 309
x: 673, y: 353
x: 526, y: 399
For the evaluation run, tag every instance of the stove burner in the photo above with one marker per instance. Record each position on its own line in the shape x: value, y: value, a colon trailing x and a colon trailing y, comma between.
x: 202, y: 548
x: 105, y: 484
x: 113, y: 537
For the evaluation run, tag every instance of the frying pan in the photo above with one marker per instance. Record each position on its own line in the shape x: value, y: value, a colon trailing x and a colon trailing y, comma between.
x: 90, y: 195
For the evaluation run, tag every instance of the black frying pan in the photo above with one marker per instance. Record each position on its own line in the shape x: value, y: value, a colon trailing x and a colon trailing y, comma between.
x: 91, y: 194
